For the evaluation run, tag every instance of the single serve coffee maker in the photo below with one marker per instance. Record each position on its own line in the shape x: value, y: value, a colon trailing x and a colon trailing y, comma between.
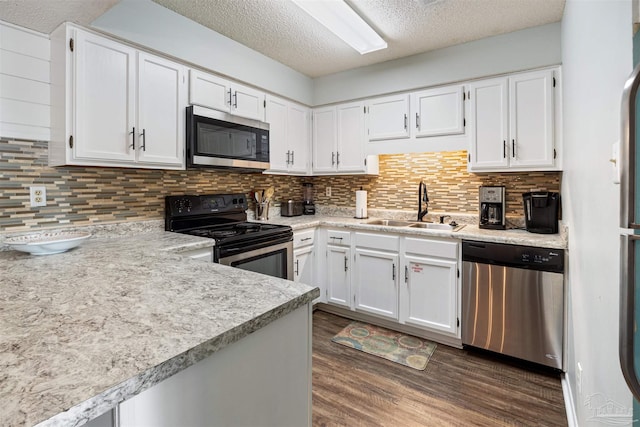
x: 492, y: 207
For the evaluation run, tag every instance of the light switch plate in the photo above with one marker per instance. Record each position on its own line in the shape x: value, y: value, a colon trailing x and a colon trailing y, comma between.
x: 38, y: 196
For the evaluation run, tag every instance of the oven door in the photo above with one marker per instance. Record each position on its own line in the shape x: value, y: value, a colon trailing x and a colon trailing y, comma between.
x: 274, y: 260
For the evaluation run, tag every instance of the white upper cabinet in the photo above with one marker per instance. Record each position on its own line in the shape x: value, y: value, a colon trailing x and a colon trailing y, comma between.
x: 289, y: 136
x: 438, y: 111
x: 208, y: 90
x: 104, y: 99
x: 388, y: 117
x: 161, y: 104
x: 115, y: 105
x: 513, y: 123
x: 338, y: 141
x: 325, y: 140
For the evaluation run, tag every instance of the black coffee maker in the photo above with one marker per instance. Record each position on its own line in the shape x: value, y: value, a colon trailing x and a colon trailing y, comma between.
x: 492, y: 207
x: 541, y: 211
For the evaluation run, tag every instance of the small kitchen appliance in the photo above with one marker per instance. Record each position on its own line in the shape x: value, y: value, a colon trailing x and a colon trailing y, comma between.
x: 541, y: 211
x: 291, y: 208
x: 492, y: 207
x: 258, y: 247
x: 307, y: 199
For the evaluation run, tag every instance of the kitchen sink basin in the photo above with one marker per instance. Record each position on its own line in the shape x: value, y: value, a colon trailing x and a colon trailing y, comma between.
x: 436, y: 226
x: 389, y: 223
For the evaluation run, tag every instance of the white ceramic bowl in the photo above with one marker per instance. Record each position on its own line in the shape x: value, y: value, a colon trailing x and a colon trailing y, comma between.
x: 47, y: 243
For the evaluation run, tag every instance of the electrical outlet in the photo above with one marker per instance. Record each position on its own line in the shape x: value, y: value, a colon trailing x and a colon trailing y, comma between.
x: 38, y: 196
x: 579, y: 379
x: 327, y: 191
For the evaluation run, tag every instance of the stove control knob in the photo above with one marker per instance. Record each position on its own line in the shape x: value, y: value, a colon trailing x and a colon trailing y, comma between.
x: 188, y: 205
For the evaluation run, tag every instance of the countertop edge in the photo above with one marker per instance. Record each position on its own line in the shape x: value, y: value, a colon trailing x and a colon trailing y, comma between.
x: 108, y: 399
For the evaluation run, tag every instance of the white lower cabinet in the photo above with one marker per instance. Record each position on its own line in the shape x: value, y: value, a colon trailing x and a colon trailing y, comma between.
x: 304, y: 260
x: 409, y: 280
x: 375, y: 273
x: 429, y: 294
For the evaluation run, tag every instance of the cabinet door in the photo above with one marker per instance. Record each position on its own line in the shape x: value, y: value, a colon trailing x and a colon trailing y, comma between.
x: 247, y: 102
x: 324, y: 139
x: 276, y: 116
x: 376, y: 279
x: 438, y: 111
x: 351, y: 137
x: 388, y: 118
x: 210, y: 91
x: 161, y: 111
x: 531, y: 119
x: 303, y: 267
x: 429, y: 294
x: 337, y: 275
x: 298, y: 137
x: 104, y: 95
x: 488, y: 125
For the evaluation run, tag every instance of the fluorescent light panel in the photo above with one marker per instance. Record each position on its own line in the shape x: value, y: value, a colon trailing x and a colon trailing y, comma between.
x: 344, y: 22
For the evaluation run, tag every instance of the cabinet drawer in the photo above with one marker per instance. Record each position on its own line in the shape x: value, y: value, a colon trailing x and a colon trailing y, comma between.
x: 378, y: 241
x: 335, y: 237
x: 435, y: 248
x: 303, y: 238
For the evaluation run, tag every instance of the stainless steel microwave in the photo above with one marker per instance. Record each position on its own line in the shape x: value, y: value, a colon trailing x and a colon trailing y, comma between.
x: 220, y: 140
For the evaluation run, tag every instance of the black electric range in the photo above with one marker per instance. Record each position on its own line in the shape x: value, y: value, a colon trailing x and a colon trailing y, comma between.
x: 265, y: 248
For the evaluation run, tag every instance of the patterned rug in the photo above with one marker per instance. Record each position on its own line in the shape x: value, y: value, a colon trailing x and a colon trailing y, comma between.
x: 394, y: 346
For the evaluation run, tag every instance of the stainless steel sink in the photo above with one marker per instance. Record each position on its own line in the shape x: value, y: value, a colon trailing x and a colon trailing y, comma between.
x: 436, y: 226
x: 389, y: 223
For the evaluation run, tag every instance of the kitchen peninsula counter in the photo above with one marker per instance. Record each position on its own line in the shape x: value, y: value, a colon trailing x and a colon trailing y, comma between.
x: 468, y: 232
x: 84, y: 330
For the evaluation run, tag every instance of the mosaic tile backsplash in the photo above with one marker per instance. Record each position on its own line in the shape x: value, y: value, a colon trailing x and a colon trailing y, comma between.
x: 89, y: 195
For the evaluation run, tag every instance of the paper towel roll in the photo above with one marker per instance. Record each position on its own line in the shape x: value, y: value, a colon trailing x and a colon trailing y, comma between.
x: 361, y: 204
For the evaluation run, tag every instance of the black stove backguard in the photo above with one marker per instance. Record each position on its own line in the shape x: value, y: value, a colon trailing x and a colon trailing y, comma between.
x: 190, y: 212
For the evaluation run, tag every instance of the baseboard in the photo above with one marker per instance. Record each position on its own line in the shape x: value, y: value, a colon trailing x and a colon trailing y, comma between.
x: 569, y: 403
x: 389, y: 324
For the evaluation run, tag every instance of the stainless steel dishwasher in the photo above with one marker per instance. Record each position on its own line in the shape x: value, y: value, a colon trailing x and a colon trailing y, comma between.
x: 513, y: 301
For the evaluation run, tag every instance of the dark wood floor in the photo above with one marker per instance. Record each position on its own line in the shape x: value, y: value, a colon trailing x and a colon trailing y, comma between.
x: 458, y: 388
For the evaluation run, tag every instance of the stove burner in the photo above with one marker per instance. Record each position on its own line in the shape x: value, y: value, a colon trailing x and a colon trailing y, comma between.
x: 248, y: 226
x: 222, y: 233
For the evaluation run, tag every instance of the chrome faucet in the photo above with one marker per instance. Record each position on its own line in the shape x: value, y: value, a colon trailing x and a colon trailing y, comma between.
x: 422, y: 198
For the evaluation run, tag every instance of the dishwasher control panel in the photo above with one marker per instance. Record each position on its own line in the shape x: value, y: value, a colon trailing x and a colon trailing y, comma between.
x: 528, y: 257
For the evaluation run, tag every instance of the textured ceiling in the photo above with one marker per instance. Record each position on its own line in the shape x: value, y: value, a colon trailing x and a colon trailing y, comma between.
x: 45, y: 15
x: 282, y: 31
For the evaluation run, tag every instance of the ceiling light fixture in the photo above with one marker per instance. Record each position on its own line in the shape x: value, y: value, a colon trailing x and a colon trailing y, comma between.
x: 345, y: 23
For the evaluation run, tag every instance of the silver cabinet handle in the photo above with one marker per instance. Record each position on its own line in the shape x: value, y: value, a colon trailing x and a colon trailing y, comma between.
x: 235, y: 97
x: 627, y: 312
x: 333, y: 158
x: 513, y: 148
x: 405, y: 122
x: 417, y: 121
x: 288, y: 152
x: 297, y: 267
x: 337, y: 238
x: 346, y: 259
x: 292, y: 158
x: 393, y: 272
x: 406, y: 274
x: 229, y: 97
x: 338, y: 158
x: 504, y: 148
x: 133, y: 138
x: 144, y: 140
x: 305, y: 239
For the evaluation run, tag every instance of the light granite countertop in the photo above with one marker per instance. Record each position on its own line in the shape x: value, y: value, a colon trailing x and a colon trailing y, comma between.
x: 470, y: 231
x: 84, y: 330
